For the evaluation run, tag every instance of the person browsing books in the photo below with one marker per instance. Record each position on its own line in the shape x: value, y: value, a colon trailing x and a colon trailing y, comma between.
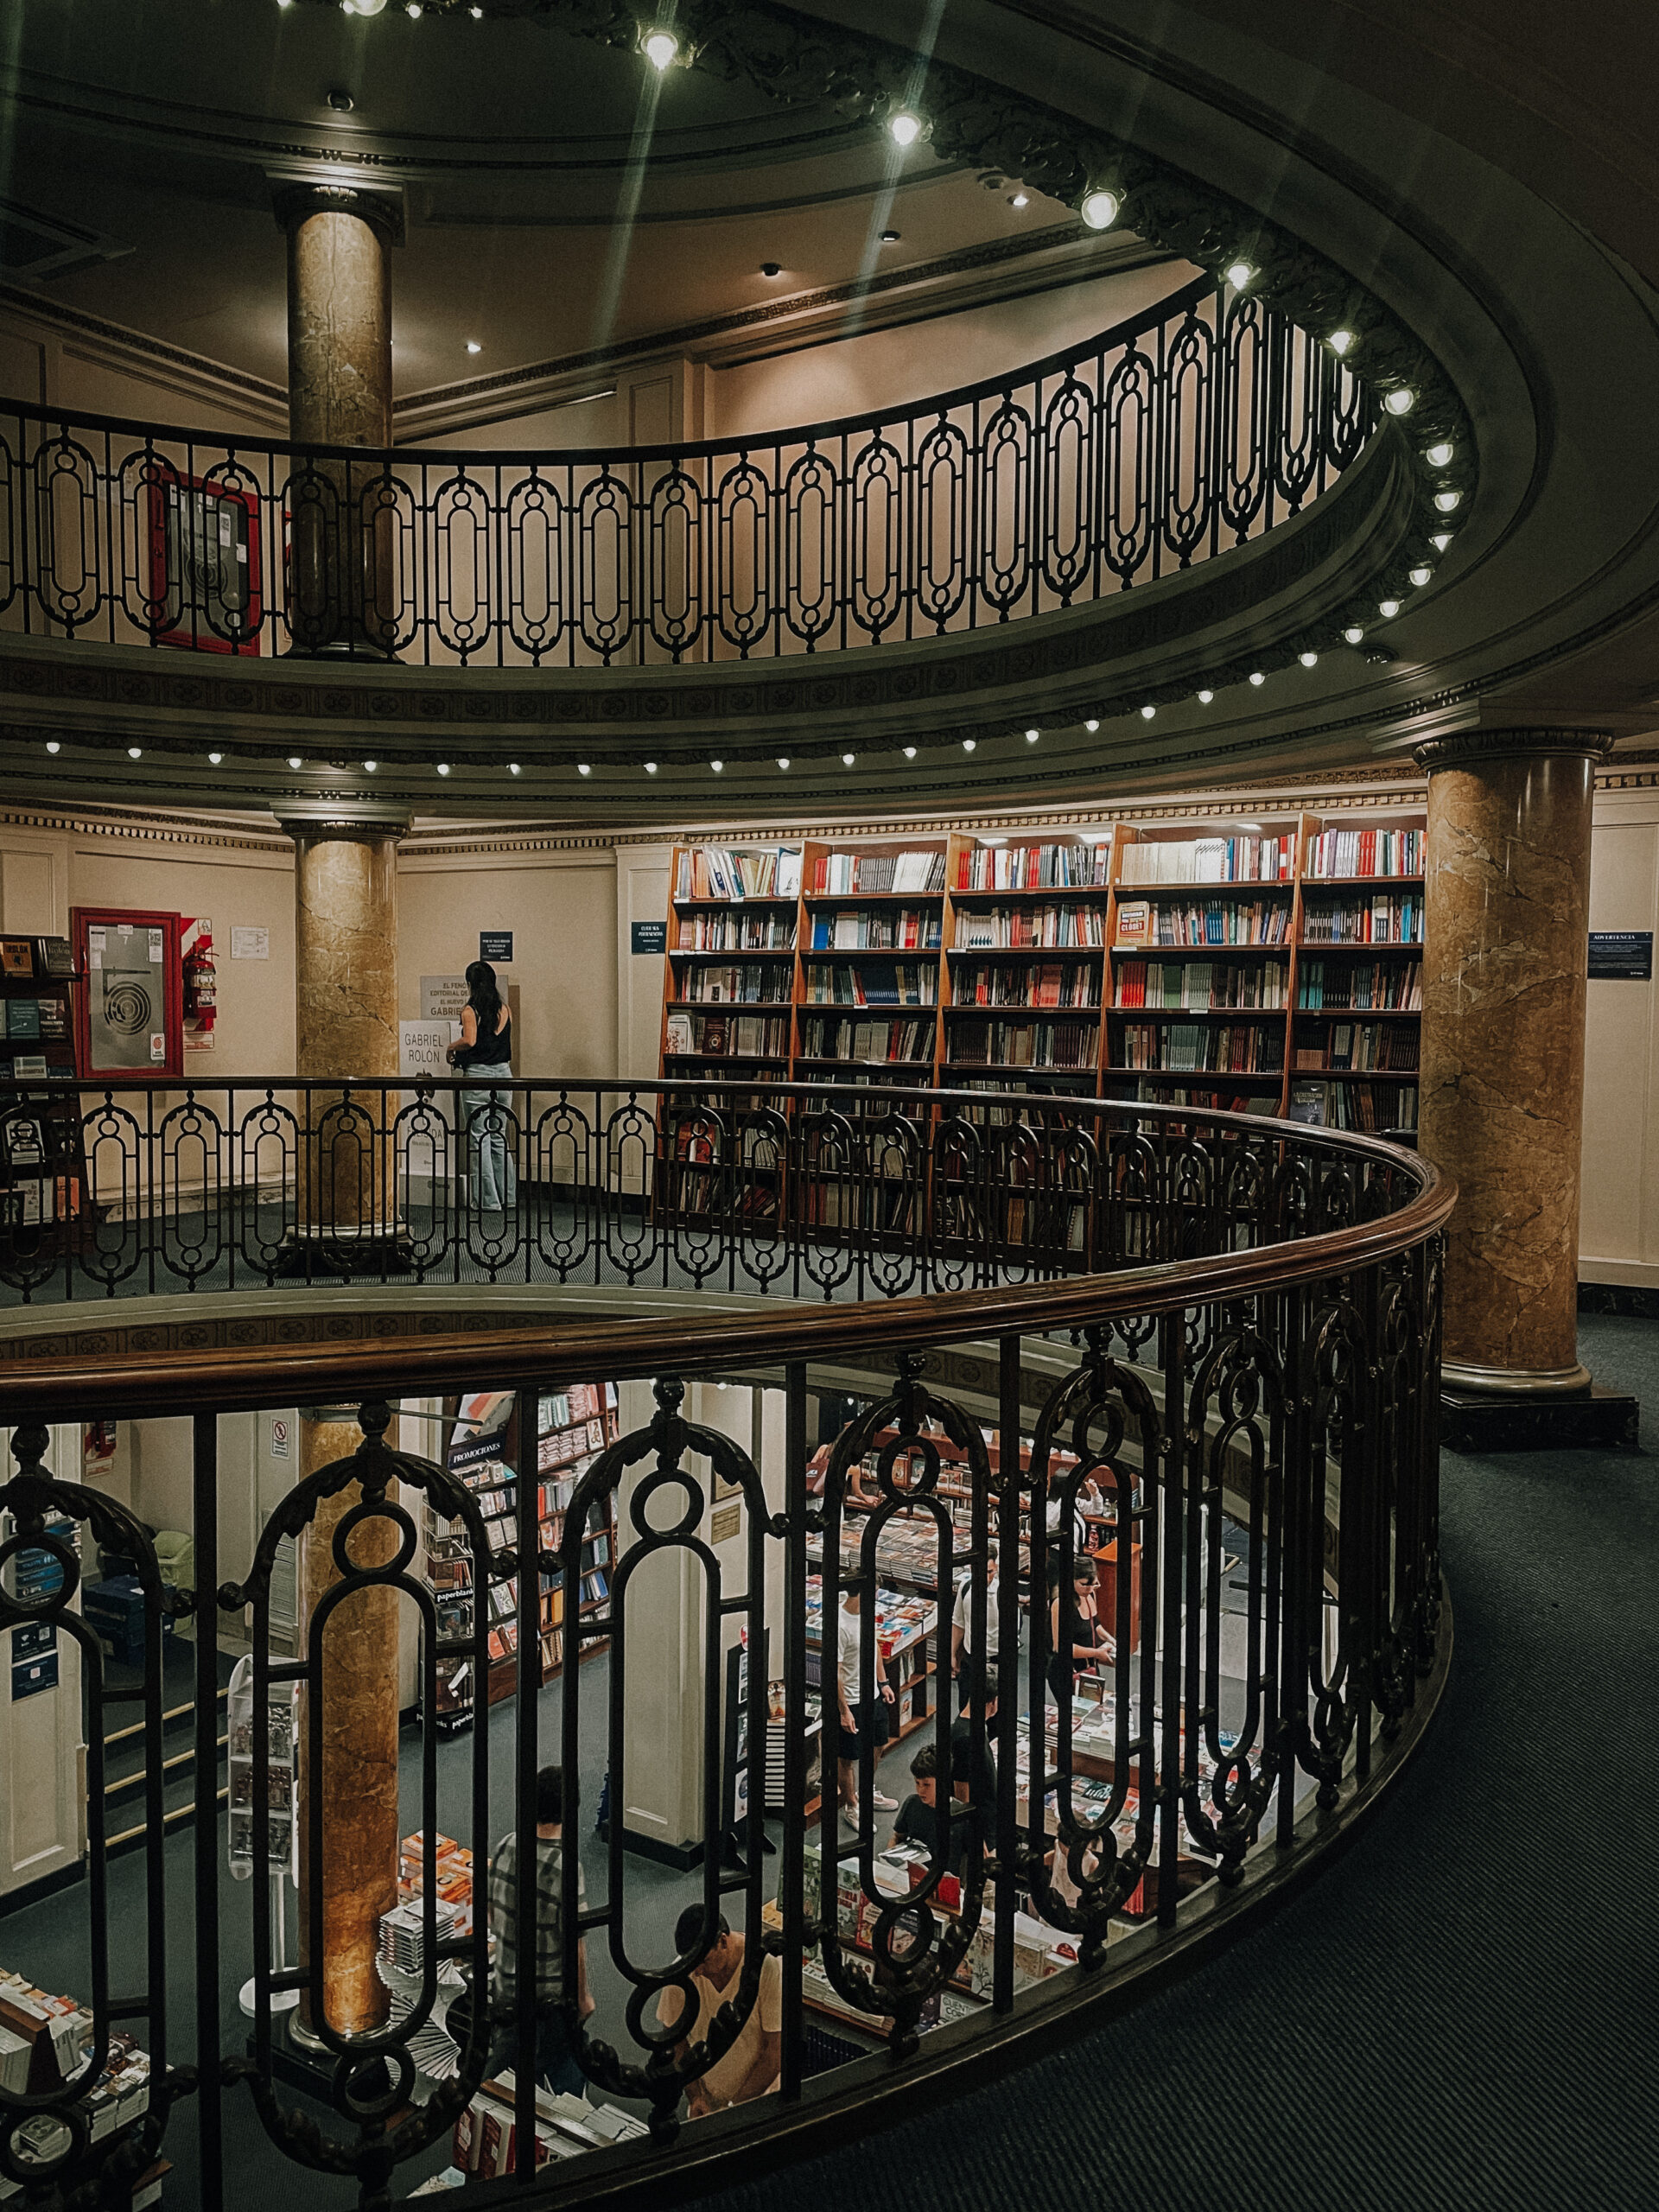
x: 486, y: 1048
x: 1078, y: 1638
x: 860, y: 1724
x: 556, y: 2064
x: 749, y: 2068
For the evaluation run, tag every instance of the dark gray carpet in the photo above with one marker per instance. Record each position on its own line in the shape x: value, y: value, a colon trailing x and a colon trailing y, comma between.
x: 1463, y: 2009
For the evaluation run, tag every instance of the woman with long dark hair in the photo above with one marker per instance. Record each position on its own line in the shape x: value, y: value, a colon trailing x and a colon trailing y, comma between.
x: 486, y: 1048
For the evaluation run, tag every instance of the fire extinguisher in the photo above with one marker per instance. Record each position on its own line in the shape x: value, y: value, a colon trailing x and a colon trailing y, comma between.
x: 200, y: 983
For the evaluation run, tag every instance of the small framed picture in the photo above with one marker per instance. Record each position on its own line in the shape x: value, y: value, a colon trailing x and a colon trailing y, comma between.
x: 16, y: 956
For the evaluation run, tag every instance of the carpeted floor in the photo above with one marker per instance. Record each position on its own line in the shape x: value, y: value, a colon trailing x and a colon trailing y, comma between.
x: 1463, y: 2012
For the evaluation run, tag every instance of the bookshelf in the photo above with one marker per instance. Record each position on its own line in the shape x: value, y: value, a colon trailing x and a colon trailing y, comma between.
x: 1268, y: 964
x: 43, y: 1167
x: 493, y: 1436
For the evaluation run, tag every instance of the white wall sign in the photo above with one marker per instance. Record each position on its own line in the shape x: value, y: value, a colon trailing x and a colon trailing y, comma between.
x: 422, y: 1048
x: 442, y: 997
x: 279, y: 1436
x: 250, y: 943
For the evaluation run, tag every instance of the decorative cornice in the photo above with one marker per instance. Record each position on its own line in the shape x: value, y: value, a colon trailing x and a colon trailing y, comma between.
x: 144, y: 829
x: 56, y: 315
x: 1474, y: 748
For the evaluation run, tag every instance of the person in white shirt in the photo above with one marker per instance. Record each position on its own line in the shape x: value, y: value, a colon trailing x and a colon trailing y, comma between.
x: 858, y: 1721
x: 963, y: 1658
x: 750, y: 2068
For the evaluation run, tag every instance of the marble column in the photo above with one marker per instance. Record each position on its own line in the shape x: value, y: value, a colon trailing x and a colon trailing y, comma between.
x: 343, y: 591
x: 1507, y: 916
x: 357, y: 1777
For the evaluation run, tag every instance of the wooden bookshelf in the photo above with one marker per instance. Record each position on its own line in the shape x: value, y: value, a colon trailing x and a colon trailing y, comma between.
x: 1313, y: 953
x: 42, y: 1163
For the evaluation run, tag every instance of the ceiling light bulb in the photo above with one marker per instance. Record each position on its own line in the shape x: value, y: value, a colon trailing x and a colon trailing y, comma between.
x: 1020, y: 199
x: 783, y: 759
x: 1447, y: 502
x: 1339, y: 341
x: 969, y: 743
x: 1204, y: 698
x: 473, y: 345
x: 1400, y: 401
x: 1099, y: 209
x: 1440, y: 541
x: 848, y: 759
x: 214, y: 757
x: 1437, y: 456
x: 651, y: 767
x: 904, y: 128
x: 661, y: 47
x: 443, y: 767
x: 1240, y: 275
x: 889, y: 237
x: 1420, y: 576
x: 1388, y: 608
x: 1308, y: 660
x: 910, y: 753
x: 1257, y: 677
x: 513, y: 767
x: 52, y: 746
x: 1353, y: 633
x: 294, y: 761
x: 582, y: 768
x: 477, y: 15
x: 369, y: 767
x: 1032, y: 736
x: 719, y: 768
x: 135, y: 752
x: 412, y: 8
x: 1091, y: 726
x: 1147, y: 712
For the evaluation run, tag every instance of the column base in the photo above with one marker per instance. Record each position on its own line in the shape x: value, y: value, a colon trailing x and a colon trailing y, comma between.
x: 384, y: 1248
x: 1588, y: 1420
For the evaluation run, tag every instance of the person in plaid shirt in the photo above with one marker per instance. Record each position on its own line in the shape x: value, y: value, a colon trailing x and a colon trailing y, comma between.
x: 556, y: 2064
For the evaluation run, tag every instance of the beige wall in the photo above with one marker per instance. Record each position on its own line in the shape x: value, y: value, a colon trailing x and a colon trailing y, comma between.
x: 1618, y: 1230
x: 109, y: 373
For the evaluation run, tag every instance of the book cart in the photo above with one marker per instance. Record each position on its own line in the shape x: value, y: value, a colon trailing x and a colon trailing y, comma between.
x: 495, y: 1436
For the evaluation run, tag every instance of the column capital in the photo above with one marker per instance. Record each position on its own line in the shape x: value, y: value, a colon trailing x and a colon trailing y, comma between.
x: 1476, y: 748
x: 293, y: 200
x: 367, y: 820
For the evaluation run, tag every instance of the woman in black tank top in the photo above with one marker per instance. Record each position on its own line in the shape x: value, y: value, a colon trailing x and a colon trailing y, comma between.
x: 1076, y: 1632
x: 485, y: 1049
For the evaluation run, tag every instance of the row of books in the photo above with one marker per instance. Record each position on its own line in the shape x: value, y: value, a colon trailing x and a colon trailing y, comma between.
x: 1056, y: 982
x: 1263, y: 921
x: 1388, y: 1048
x: 729, y: 933
x: 720, y: 872
x: 485, y: 2141
x: 1191, y: 1047
x: 582, y: 1402
x: 1354, y: 1106
x: 28, y: 1022
x: 823, y: 1039
x: 1198, y: 986
x: 1366, y: 852
x: 1210, y: 1101
x: 866, y: 929
x: 738, y: 1036
x: 835, y: 873
x: 1391, y: 918
x: 1025, y: 1044
x: 24, y: 959
x: 1033, y: 868
x: 872, y: 983
x: 1038, y: 927
x: 1377, y: 986
x: 752, y: 983
x: 1243, y: 859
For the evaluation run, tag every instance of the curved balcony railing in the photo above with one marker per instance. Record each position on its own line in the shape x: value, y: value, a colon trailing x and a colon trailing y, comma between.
x: 1191, y: 428
x: 1223, y: 1387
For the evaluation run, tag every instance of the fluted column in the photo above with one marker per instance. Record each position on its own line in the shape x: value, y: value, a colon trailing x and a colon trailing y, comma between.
x: 1504, y: 956
x: 343, y: 594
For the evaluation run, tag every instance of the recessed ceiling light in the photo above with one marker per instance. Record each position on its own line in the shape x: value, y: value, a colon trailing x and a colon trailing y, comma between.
x: 772, y: 268
x: 1204, y: 698
x: 341, y: 102
x: 969, y: 743
x: 1448, y: 502
x: 848, y: 759
x: 1147, y: 712
x: 1308, y: 660
x: 582, y: 768
x: 651, y: 767
x: 370, y: 767
x: 1400, y: 400
x: 412, y: 8
x: 52, y: 746
x: 889, y: 237
x: 903, y: 129
x: 783, y: 759
x: 294, y: 761
x: 1018, y: 199
x: 1440, y: 541
x: 1091, y: 726
x: 1240, y: 275
x: 1437, y: 456
x: 443, y: 767
x: 477, y: 15
x: 1099, y: 209
x: 513, y: 767
x: 910, y: 753
x: 661, y: 47
x: 1420, y: 576
x: 473, y: 345
x: 1388, y: 608
x: 135, y: 752
x: 1339, y: 341
x: 1032, y: 736
x: 214, y: 757
x: 1257, y: 677
x: 1353, y: 633
x: 719, y: 768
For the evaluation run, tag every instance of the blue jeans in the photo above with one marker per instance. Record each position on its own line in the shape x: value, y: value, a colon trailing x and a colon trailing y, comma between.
x: 487, y: 1116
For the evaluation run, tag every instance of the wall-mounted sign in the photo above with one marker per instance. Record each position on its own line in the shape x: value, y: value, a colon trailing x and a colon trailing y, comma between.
x: 1621, y: 955
x: 648, y: 937
x: 249, y: 943
x: 495, y: 944
x: 279, y: 1436
x: 424, y: 1048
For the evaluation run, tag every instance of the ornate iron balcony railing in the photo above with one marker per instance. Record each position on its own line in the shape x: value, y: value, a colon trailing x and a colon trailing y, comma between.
x: 1231, y: 1360
x: 1191, y: 428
